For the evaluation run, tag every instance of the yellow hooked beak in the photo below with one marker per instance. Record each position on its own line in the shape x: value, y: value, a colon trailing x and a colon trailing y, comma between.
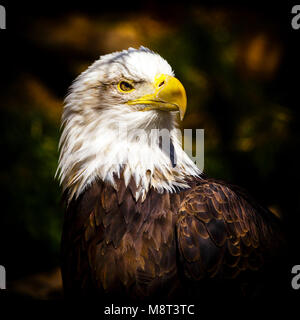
x: 169, y: 95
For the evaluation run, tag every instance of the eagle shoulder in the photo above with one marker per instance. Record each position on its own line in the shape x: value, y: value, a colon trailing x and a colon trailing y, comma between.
x: 221, y: 231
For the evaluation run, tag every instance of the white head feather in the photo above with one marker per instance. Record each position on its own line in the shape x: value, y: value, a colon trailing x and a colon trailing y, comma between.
x: 94, y: 143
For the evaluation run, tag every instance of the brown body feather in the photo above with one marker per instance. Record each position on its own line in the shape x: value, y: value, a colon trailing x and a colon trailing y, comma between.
x: 114, y: 246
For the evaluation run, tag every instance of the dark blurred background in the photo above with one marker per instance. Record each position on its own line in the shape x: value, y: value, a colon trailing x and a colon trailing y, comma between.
x: 238, y: 63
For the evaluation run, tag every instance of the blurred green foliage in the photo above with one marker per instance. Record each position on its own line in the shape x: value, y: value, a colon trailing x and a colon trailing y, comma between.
x: 33, y: 215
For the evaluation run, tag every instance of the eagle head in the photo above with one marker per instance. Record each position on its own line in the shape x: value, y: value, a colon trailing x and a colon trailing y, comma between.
x: 109, y: 118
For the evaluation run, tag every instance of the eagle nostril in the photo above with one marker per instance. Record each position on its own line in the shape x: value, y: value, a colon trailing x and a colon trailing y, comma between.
x: 162, y: 83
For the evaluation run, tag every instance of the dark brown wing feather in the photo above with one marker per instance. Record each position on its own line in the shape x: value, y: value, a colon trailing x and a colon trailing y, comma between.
x: 221, y: 231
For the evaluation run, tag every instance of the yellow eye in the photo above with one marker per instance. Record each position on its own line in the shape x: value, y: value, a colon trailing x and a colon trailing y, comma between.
x: 125, y: 86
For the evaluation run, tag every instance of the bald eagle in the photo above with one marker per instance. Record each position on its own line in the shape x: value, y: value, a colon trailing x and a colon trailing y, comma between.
x: 137, y: 225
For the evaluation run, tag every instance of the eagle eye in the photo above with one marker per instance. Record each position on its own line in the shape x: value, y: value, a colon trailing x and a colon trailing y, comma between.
x: 125, y: 86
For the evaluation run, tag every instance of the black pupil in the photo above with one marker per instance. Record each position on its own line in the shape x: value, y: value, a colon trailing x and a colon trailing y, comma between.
x: 126, y: 86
